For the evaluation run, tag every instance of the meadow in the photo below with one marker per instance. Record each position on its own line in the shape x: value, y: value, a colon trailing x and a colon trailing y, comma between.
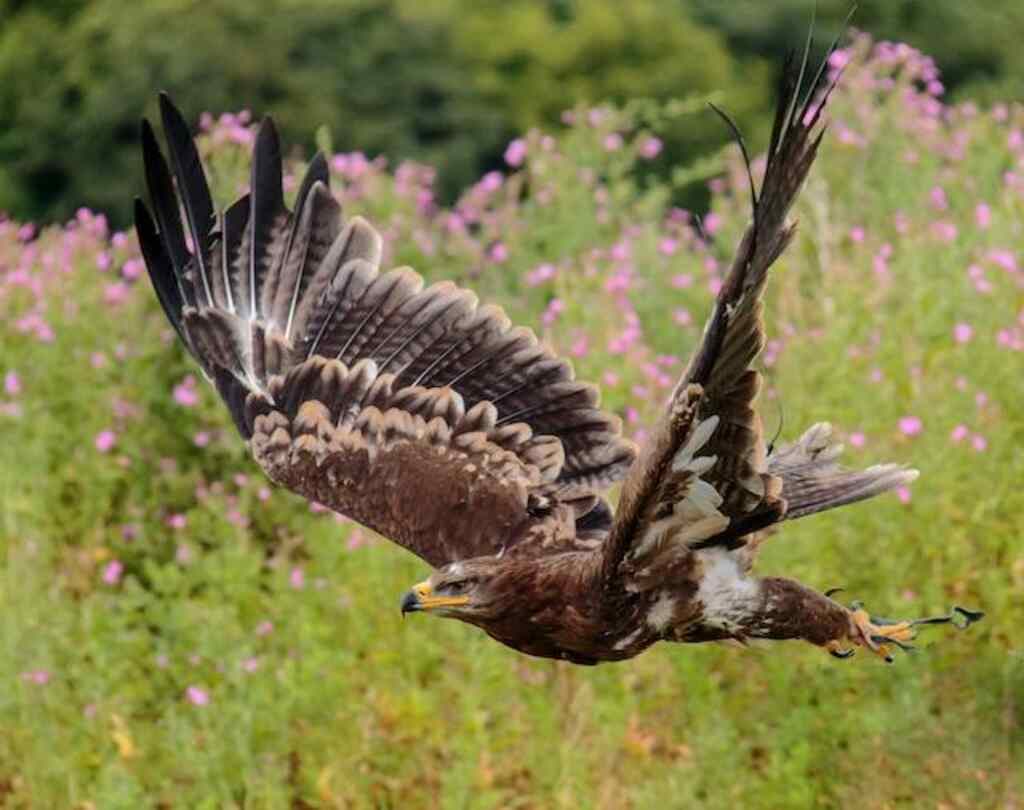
x: 178, y: 633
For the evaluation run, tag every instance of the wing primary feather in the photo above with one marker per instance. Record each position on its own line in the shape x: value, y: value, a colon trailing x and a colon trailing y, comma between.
x: 435, y: 363
x: 195, y: 193
x: 338, y: 298
x: 161, y: 271
x: 165, y: 206
x: 815, y: 83
x: 233, y: 224
x: 537, y: 380
x: 266, y: 202
x: 475, y: 367
x: 419, y: 330
x: 738, y: 137
x: 525, y: 413
x: 283, y: 271
x: 316, y: 171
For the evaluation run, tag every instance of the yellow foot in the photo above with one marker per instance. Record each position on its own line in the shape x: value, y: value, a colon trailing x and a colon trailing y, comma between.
x: 879, y: 635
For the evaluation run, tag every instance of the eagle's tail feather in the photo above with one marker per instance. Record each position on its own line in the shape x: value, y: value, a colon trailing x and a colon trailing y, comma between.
x: 813, y: 481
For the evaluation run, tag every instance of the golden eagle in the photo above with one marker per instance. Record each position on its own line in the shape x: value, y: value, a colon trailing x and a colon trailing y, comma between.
x: 432, y: 420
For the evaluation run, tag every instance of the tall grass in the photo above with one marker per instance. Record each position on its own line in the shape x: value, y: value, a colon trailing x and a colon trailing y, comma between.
x: 177, y: 633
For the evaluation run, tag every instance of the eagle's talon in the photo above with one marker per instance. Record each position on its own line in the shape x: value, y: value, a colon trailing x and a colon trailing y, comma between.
x: 836, y: 650
x: 969, y: 616
x: 877, y: 633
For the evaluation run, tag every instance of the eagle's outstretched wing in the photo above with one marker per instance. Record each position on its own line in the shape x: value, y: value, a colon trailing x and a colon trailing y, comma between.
x: 413, y: 410
x: 705, y: 477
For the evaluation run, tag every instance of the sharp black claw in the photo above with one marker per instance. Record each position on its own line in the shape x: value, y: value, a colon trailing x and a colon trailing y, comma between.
x: 889, y: 640
x: 842, y: 653
x: 970, y: 616
x: 832, y: 591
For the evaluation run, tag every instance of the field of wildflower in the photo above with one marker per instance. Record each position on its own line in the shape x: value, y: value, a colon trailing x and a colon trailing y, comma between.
x: 178, y: 633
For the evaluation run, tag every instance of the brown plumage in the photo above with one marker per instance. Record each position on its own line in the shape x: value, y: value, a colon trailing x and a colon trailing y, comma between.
x: 432, y: 420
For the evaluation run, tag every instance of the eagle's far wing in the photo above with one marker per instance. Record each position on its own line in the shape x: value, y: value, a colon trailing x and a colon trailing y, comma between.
x: 413, y: 410
x: 702, y: 479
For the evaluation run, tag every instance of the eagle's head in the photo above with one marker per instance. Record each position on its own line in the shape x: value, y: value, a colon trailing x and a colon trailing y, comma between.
x: 470, y: 590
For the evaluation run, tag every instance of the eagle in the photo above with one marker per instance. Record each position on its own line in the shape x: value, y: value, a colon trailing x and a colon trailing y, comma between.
x: 428, y: 417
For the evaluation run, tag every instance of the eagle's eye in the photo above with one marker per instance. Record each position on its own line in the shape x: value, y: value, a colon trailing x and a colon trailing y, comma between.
x: 459, y: 586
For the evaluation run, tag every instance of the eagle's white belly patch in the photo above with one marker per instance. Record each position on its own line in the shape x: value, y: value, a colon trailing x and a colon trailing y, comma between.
x: 728, y: 596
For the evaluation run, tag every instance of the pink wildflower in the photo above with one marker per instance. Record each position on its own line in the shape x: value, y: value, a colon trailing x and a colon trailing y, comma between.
x: 515, y: 152
x: 554, y: 309
x: 116, y: 294
x: 612, y: 142
x: 857, y: 439
x: 903, y: 493
x: 105, y: 440
x: 132, y: 269
x: 356, y: 539
x: 12, y: 384
x: 185, y: 393
x: 297, y: 579
x: 910, y: 425
x: 979, y: 443
x: 938, y: 198
x: 197, y: 696
x: 650, y: 148
x: 963, y: 332
x: 40, y: 677
x: 944, y: 231
x: 498, y: 252
x: 112, y: 572
x: 264, y: 628
x: 491, y: 182
x: 959, y: 433
x: 983, y: 215
x: 540, y: 274
x: 177, y: 521
x: 667, y: 246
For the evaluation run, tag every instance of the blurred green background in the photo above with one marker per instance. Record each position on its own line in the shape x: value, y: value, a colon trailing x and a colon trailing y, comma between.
x: 449, y: 82
x: 177, y: 633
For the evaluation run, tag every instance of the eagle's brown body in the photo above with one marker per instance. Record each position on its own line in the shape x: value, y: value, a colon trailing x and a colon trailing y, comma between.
x: 431, y: 419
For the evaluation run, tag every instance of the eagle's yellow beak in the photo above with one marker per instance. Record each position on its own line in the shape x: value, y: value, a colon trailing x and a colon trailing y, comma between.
x: 421, y: 597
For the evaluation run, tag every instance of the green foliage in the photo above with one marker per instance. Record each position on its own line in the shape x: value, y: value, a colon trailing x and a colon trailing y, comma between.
x: 977, y: 45
x: 179, y: 634
x: 76, y: 92
x: 448, y: 82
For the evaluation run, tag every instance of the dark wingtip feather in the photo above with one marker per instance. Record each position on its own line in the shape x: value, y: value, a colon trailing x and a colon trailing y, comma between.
x: 267, y: 202
x: 161, y: 271
x: 316, y: 172
x: 161, y: 193
x: 192, y: 186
